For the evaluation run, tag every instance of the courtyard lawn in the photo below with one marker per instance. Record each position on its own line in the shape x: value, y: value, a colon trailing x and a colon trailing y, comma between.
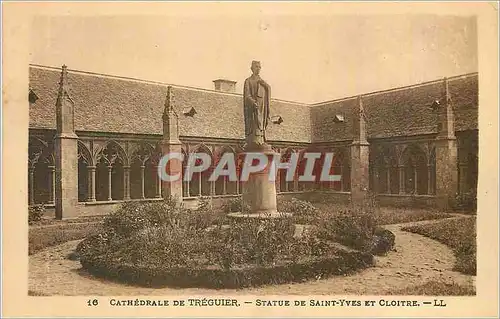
x: 44, y: 221
x: 436, y: 288
x: 389, y: 215
x: 459, y: 235
x: 41, y: 237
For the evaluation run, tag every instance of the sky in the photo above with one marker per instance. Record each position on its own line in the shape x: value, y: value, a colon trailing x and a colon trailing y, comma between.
x: 304, y: 58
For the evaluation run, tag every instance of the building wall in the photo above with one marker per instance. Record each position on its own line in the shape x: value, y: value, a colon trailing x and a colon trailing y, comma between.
x: 119, y: 127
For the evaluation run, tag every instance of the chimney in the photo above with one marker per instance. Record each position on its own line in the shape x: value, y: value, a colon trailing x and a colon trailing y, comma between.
x: 225, y: 85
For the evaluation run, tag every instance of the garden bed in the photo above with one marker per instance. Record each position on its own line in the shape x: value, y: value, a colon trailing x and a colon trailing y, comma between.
x: 239, y: 276
x: 162, y: 243
x: 459, y: 235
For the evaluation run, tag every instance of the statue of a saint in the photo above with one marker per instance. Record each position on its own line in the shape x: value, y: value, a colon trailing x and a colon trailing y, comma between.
x: 256, y: 101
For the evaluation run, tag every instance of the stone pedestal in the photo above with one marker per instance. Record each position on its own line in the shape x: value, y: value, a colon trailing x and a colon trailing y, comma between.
x: 259, y: 191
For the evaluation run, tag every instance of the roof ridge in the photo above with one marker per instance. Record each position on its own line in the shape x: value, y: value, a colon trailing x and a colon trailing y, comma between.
x: 452, y: 78
x: 400, y: 88
x: 118, y: 77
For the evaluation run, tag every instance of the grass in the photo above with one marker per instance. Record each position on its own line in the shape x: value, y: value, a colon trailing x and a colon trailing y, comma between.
x: 45, y: 221
x: 35, y: 293
x: 436, y: 288
x: 46, y: 236
x: 459, y: 235
x: 388, y: 216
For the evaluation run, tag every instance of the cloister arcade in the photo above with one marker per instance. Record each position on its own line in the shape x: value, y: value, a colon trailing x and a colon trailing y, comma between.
x: 114, y: 170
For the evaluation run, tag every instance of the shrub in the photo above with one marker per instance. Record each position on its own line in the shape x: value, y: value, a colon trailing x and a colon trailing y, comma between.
x: 35, y: 213
x: 382, y: 242
x: 303, y: 212
x: 133, y: 217
x: 259, y: 241
x: 351, y: 227
x: 466, y: 201
x: 465, y: 253
x: 164, y: 243
x: 233, y: 205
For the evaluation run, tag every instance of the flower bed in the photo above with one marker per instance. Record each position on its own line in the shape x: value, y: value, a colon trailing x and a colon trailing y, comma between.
x: 156, y: 244
x: 250, y: 275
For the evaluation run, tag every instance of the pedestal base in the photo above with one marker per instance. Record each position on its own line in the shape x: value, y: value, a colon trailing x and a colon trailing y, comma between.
x: 259, y: 191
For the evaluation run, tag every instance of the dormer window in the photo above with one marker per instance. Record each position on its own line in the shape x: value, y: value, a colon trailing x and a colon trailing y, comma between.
x: 277, y: 119
x: 436, y: 104
x: 338, y: 118
x: 190, y: 111
x: 32, y: 97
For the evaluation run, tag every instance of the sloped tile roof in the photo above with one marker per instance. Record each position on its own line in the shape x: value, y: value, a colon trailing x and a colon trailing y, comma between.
x: 108, y: 104
x: 119, y: 105
x: 101, y: 104
x: 399, y: 112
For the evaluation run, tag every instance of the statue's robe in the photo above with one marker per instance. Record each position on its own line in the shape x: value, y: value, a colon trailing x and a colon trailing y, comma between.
x: 256, y: 108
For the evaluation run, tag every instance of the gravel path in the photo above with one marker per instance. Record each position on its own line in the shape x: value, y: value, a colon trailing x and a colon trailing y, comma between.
x: 417, y: 260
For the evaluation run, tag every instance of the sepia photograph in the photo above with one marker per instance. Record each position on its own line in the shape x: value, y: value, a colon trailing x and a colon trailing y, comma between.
x: 264, y: 154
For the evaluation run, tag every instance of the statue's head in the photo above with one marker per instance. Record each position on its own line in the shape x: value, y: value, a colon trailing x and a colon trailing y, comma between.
x: 255, y: 67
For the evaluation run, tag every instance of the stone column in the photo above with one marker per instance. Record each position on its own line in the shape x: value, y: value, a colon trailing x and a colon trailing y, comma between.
x: 32, y: 186
x: 91, y: 183
x: 171, y: 144
x: 212, y: 188
x: 415, y: 182
x: 110, y: 179
x: 52, y: 184
x: 126, y: 182
x: 429, y: 179
x: 446, y: 153
x: 388, y: 172
x: 66, y: 151
x: 401, y: 179
x: 158, y: 185
x: 375, y: 179
x: 199, y: 185
x: 142, y: 182
x: 359, y: 157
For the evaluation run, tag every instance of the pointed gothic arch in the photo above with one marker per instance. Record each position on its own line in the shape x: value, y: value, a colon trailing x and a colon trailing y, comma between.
x: 111, y: 163
x: 85, y: 172
x: 415, y: 171
x: 143, y: 181
x: 199, y: 184
x: 224, y: 186
x: 41, y: 172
